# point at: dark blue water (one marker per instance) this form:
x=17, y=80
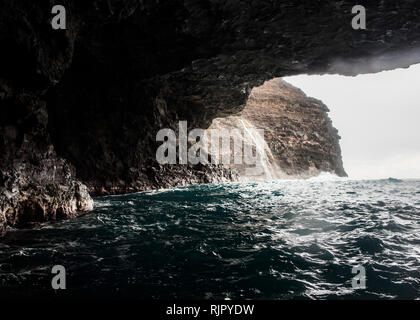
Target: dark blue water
x=273, y=240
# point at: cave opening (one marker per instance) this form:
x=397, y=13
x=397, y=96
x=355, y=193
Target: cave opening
x=296, y=134
x=374, y=114
x=377, y=118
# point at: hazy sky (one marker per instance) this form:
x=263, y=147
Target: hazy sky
x=378, y=119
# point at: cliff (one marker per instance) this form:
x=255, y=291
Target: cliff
x=80, y=107
x=300, y=140
x=297, y=129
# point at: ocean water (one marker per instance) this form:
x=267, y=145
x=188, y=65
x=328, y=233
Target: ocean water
x=271, y=240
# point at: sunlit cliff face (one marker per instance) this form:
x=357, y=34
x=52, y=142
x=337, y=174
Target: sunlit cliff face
x=377, y=117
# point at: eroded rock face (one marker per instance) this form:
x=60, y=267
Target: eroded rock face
x=297, y=129
x=299, y=138
x=35, y=184
x=122, y=70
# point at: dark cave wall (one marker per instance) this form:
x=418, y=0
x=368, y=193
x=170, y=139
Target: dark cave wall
x=124, y=69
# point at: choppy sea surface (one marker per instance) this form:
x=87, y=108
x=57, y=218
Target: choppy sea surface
x=272, y=240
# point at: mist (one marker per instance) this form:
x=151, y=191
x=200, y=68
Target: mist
x=377, y=116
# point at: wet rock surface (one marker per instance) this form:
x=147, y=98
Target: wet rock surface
x=92, y=97
x=36, y=185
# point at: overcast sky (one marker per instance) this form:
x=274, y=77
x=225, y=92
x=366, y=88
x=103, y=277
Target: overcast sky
x=378, y=119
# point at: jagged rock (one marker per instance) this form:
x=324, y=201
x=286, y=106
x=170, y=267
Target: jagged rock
x=35, y=184
x=297, y=129
x=300, y=140
x=27, y=201
x=122, y=70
